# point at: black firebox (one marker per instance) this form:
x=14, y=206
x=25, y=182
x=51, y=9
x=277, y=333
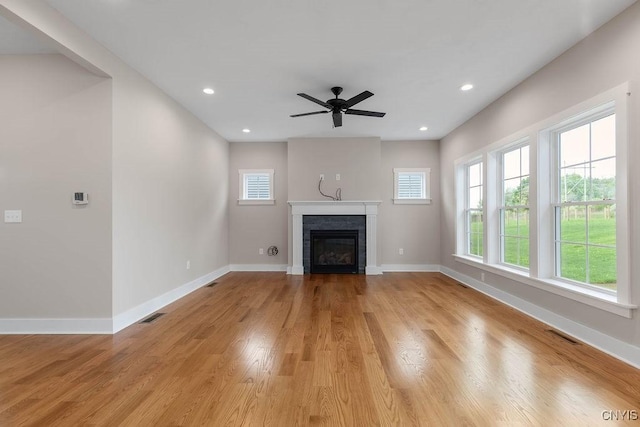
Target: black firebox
x=334, y=251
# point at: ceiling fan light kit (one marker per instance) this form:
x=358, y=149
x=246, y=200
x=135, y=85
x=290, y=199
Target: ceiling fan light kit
x=338, y=106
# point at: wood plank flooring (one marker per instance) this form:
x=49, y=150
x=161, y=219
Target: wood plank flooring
x=276, y=350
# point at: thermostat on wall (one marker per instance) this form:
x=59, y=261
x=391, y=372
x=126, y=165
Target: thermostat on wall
x=80, y=199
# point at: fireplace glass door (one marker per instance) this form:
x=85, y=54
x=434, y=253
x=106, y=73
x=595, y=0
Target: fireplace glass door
x=334, y=251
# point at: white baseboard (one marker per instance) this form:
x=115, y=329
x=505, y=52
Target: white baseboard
x=295, y=270
x=619, y=349
x=55, y=326
x=374, y=270
x=134, y=314
x=258, y=267
x=397, y=268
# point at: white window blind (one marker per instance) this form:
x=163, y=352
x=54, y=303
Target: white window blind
x=410, y=185
x=257, y=186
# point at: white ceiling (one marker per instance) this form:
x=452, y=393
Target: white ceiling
x=412, y=54
x=14, y=40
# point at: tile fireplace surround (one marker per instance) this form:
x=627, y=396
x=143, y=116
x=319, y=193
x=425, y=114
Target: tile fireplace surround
x=369, y=208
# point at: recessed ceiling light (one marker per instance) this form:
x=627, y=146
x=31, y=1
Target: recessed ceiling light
x=423, y=128
x=245, y=130
x=208, y=90
x=466, y=87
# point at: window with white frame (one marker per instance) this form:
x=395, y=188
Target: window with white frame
x=561, y=225
x=411, y=185
x=514, y=207
x=474, y=224
x=584, y=207
x=256, y=186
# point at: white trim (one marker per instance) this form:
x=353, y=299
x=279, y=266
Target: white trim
x=411, y=201
x=296, y=270
x=621, y=350
x=328, y=207
x=586, y=296
x=55, y=326
x=258, y=267
x=397, y=268
x=256, y=201
x=373, y=271
x=134, y=314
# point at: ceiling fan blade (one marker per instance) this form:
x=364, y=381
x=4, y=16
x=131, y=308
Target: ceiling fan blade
x=308, y=114
x=317, y=101
x=358, y=98
x=364, y=113
x=337, y=120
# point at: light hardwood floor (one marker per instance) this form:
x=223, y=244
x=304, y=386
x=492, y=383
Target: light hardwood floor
x=271, y=349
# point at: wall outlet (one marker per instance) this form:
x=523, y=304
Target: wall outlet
x=13, y=216
x=401, y=251
x=261, y=251
x=321, y=177
x=188, y=265
x=482, y=276
x=337, y=177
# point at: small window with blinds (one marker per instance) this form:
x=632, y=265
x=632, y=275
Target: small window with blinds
x=411, y=185
x=256, y=187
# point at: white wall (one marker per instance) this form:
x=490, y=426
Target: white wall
x=55, y=139
x=600, y=62
x=169, y=174
x=258, y=226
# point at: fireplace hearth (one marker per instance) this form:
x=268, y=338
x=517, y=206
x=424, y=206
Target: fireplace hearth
x=334, y=251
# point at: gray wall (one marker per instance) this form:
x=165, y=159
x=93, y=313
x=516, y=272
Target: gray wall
x=414, y=228
x=357, y=160
x=169, y=173
x=366, y=169
x=600, y=62
x=258, y=226
x=170, y=194
x=55, y=139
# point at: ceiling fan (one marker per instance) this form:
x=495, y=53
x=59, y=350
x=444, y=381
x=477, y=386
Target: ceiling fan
x=338, y=106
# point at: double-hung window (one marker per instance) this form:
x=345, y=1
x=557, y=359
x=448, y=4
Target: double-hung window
x=256, y=186
x=514, y=207
x=474, y=226
x=585, y=201
x=554, y=210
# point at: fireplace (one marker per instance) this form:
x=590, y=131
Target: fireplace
x=339, y=226
x=334, y=251
x=334, y=215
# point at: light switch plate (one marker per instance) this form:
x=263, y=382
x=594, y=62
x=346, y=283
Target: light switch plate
x=13, y=216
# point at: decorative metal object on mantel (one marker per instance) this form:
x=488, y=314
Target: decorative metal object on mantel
x=338, y=195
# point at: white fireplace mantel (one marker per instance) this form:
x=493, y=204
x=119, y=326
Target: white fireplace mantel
x=369, y=208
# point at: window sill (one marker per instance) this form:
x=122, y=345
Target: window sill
x=411, y=201
x=257, y=202
x=589, y=297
